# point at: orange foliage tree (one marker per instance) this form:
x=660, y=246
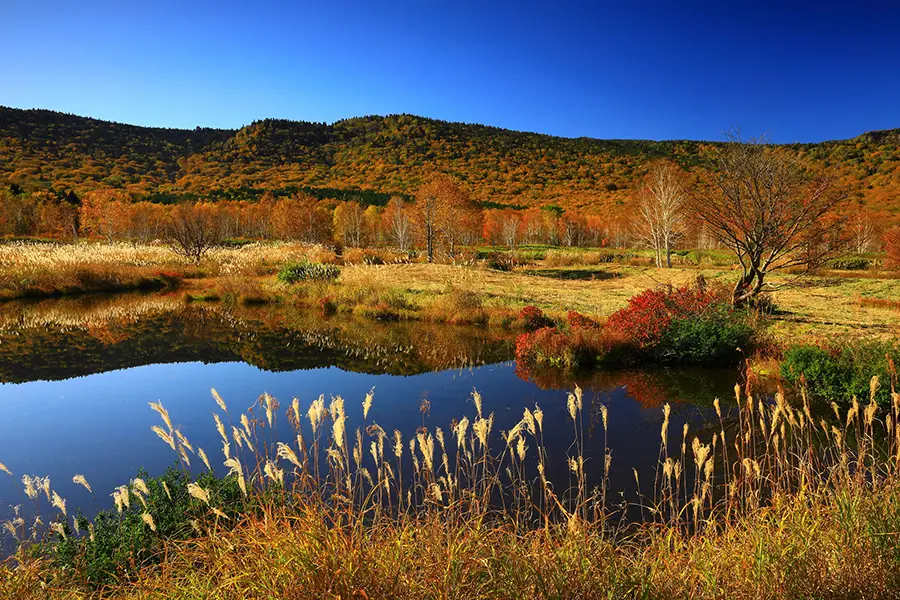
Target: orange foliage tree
x=104, y=212
x=441, y=210
x=892, y=248
x=301, y=217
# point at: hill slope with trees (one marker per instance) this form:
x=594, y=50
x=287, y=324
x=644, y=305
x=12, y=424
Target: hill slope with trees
x=45, y=150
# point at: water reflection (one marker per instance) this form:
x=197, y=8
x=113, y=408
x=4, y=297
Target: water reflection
x=60, y=339
x=78, y=374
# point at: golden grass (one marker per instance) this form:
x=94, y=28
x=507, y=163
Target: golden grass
x=28, y=269
x=769, y=501
x=85, y=312
x=812, y=306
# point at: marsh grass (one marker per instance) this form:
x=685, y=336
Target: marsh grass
x=886, y=303
x=817, y=305
x=769, y=501
x=34, y=270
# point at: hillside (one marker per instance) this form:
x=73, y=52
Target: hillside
x=42, y=149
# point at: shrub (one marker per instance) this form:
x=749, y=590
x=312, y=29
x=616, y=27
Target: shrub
x=307, y=271
x=716, y=337
x=691, y=324
x=837, y=373
x=582, y=347
x=121, y=542
x=850, y=263
x=502, y=261
x=533, y=318
x=577, y=320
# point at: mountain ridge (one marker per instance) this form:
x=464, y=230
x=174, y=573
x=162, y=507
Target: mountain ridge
x=392, y=154
x=882, y=132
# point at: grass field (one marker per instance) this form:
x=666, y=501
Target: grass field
x=813, y=305
x=554, y=280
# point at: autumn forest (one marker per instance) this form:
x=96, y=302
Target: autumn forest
x=355, y=182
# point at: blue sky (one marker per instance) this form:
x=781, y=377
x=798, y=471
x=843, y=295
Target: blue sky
x=799, y=71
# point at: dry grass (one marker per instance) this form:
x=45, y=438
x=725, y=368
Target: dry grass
x=886, y=303
x=34, y=270
x=503, y=289
x=809, y=307
x=52, y=269
x=770, y=501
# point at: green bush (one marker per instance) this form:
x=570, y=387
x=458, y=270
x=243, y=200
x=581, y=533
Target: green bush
x=122, y=543
x=713, y=338
x=851, y=263
x=307, y=271
x=838, y=373
x=695, y=325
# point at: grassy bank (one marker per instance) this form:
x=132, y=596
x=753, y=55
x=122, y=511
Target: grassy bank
x=41, y=270
x=769, y=501
x=385, y=284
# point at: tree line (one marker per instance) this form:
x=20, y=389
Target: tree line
x=765, y=204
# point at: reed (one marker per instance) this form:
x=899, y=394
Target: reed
x=773, y=501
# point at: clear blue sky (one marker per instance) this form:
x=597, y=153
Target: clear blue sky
x=801, y=71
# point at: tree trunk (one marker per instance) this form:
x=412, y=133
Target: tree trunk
x=748, y=288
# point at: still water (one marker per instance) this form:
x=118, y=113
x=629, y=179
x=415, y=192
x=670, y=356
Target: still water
x=76, y=376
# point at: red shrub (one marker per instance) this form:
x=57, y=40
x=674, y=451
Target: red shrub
x=892, y=247
x=649, y=314
x=533, y=318
x=577, y=348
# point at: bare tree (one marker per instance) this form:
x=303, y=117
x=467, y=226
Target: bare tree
x=863, y=230
x=770, y=211
x=397, y=223
x=349, y=223
x=510, y=227
x=660, y=220
x=194, y=229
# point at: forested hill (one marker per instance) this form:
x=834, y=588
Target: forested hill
x=61, y=152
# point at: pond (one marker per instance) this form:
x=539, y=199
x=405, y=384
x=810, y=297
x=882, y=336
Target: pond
x=76, y=377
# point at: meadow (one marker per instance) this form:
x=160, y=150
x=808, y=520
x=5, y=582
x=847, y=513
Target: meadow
x=384, y=283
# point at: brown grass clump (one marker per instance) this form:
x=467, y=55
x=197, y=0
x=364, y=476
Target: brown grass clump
x=461, y=307
x=878, y=302
x=373, y=256
x=569, y=258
